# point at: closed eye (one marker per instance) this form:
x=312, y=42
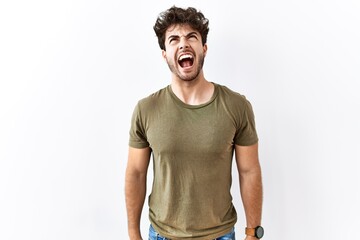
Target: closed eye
x=171, y=39
x=193, y=36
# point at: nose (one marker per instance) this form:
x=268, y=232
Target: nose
x=183, y=44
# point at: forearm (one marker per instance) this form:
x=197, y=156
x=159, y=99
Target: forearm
x=135, y=191
x=252, y=196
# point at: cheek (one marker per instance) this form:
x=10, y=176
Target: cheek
x=170, y=55
x=168, y=58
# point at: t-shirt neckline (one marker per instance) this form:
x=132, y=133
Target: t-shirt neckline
x=185, y=105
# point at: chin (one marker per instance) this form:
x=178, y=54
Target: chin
x=188, y=78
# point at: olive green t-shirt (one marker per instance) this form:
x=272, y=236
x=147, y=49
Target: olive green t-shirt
x=192, y=149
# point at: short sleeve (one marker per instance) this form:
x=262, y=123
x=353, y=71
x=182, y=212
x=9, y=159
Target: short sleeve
x=246, y=134
x=137, y=132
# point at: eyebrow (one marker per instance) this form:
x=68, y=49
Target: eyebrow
x=187, y=35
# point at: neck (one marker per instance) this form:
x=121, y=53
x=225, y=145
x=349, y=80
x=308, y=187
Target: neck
x=195, y=92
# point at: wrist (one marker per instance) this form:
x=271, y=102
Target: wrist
x=135, y=235
x=255, y=233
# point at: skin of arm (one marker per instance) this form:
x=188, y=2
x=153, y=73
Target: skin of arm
x=251, y=190
x=135, y=188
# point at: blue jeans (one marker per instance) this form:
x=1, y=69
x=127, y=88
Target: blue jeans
x=153, y=235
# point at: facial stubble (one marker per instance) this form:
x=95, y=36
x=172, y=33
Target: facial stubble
x=191, y=77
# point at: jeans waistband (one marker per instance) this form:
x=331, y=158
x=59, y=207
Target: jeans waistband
x=153, y=235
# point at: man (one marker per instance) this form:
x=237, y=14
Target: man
x=192, y=129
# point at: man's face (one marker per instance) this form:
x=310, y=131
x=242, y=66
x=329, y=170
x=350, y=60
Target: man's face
x=184, y=52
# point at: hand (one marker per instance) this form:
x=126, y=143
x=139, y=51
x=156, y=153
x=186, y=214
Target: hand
x=250, y=238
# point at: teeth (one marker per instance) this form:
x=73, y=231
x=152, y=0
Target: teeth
x=185, y=56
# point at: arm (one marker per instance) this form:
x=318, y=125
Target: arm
x=135, y=188
x=248, y=166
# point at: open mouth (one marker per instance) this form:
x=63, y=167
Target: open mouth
x=186, y=60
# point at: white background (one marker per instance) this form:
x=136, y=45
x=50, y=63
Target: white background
x=71, y=72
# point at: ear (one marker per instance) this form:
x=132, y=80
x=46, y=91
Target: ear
x=205, y=47
x=163, y=53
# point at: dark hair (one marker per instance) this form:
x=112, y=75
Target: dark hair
x=175, y=15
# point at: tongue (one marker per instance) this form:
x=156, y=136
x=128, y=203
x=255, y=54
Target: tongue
x=186, y=63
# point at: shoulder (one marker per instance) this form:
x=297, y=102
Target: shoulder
x=152, y=104
x=154, y=98
x=231, y=96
